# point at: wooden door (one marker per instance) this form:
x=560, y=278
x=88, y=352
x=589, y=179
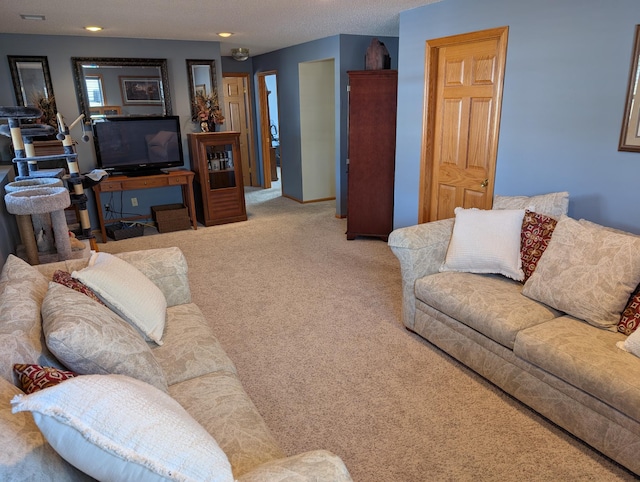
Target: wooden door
x=239, y=119
x=464, y=77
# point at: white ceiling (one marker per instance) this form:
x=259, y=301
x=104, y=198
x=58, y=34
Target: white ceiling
x=260, y=25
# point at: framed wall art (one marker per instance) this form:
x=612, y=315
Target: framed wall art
x=141, y=91
x=630, y=134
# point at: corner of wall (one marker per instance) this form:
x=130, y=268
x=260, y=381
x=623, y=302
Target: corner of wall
x=9, y=235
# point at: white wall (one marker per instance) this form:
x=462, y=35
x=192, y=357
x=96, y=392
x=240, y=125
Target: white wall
x=317, y=129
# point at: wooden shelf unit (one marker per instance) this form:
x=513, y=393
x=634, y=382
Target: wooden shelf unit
x=219, y=188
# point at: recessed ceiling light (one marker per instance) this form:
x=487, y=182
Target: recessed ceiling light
x=225, y=34
x=92, y=28
x=24, y=16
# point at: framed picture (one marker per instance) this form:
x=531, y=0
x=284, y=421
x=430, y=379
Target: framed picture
x=630, y=134
x=141, y=91
x=201, y=89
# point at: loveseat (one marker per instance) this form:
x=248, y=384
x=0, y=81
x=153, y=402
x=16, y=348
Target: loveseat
x=211, y=430
x=546, y=340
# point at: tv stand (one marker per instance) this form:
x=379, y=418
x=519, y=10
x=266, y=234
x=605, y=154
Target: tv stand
x=116, y=183
x=145, y=172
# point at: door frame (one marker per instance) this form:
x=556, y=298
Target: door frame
x=265, y=128
x=432, y=49
x=248, y=100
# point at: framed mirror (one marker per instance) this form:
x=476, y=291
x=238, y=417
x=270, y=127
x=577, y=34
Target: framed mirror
x=202, y=82
x=122, y=86
x=630, y=134
x=32, y=85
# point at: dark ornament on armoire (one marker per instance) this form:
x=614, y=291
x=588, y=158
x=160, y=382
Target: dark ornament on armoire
x=377, y=56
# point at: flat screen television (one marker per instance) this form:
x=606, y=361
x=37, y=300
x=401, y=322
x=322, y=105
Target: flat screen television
x=138, y=145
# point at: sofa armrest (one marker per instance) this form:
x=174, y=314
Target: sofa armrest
x=421, y=250
x=305, y=467
x=167, y=268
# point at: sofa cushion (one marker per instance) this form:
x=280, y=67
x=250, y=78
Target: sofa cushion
x=128, y=292
x=22, y=289
x=585, y=357
x=534, y=239
x=490, y=304
x=35, y=377
x=486, y=241
x=190, y=348
x=89, y=338
x=588, y=272
x=114, y=427
x=308, y=466
x=25, y=454
x=167, y=268
x=220, y=404
x=554, y=204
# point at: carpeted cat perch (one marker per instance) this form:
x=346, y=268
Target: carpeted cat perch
x=41, y=222
x=41, y=200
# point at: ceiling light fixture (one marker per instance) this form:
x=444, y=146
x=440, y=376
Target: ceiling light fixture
x=240, y=54
x=25, y=16
x=225, y=34
x=93, y=28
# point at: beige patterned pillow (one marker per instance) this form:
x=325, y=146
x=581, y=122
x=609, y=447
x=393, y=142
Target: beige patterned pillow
x=587, y=271
x=89, y=338
x=22, y=289
x=554, y=204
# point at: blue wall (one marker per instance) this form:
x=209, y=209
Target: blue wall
x=348, y=51
x=60, y=49
x=563, y=102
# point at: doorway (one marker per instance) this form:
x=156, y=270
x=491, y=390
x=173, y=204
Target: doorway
x=463, y=84
x=269, y=128
x=239, y=118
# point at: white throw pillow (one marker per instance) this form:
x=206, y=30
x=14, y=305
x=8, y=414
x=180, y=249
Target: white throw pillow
x=486, y=241
x=128, y=292
x=113, y=427
x=631, y=344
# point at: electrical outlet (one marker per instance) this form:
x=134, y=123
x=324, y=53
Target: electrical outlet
x=134, y=201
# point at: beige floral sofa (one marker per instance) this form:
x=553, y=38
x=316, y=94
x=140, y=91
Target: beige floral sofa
x=186, y=389
x=552, y=341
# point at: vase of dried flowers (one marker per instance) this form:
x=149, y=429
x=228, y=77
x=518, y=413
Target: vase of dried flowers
x=207, y=112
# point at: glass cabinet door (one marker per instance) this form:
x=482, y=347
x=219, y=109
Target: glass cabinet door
x=222, y=173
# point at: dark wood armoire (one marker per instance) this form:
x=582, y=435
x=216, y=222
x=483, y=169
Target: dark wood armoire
x=371, y=152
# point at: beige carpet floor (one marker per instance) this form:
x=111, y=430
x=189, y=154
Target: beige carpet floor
x=312, y=322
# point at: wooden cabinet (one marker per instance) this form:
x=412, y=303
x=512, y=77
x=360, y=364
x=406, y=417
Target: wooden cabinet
x=219, y=190
x=371, y=152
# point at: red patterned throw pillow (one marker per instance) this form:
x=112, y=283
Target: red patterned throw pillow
x=65, y=279
x=534, y=239
x=36, y=377
x=630, y=318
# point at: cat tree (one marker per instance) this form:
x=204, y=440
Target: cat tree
x=37, y=203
